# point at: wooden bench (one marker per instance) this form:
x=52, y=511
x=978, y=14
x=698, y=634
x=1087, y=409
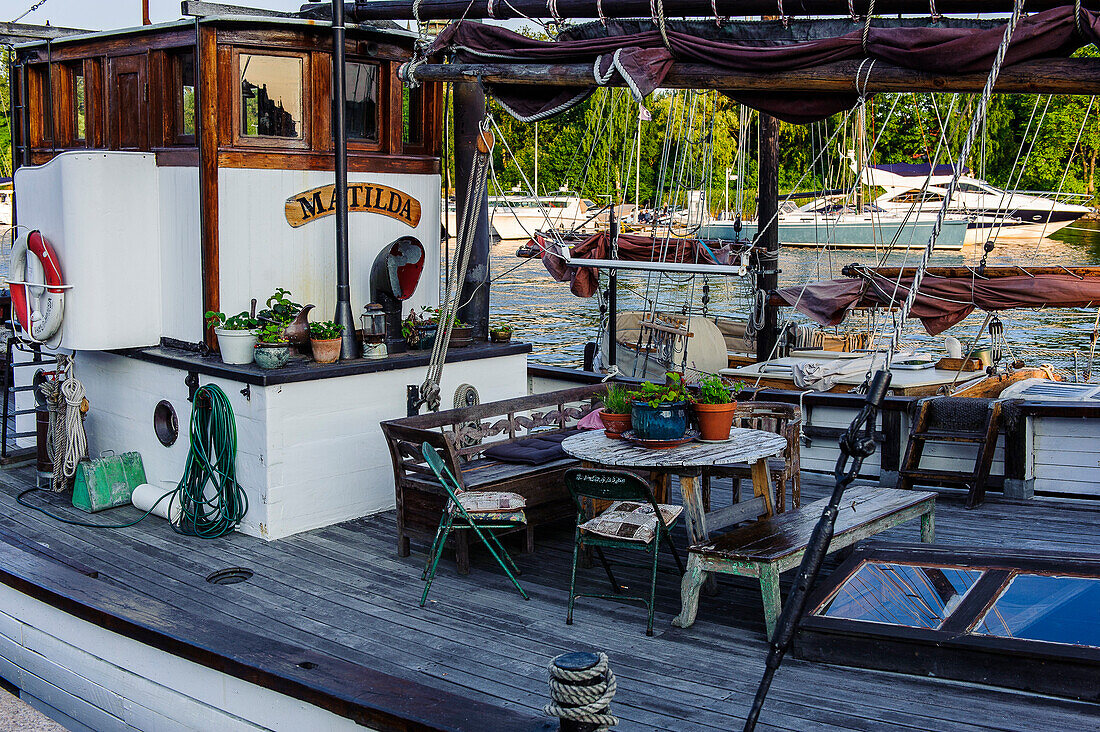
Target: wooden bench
x=770, y=546
x=461, y=436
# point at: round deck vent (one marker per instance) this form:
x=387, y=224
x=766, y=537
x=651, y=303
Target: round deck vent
x=165, y=423
x=230, y=576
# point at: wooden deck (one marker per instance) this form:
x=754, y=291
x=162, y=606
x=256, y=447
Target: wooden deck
x=342, y=591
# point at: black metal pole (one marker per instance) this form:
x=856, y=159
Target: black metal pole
x=469, y=111
x=343, y=315
x=613, y=294
x=768, y=232
x=857, y=444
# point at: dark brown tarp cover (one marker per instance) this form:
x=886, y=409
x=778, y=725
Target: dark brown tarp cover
x=941, y=302
x=641, y=60
x=584, y=281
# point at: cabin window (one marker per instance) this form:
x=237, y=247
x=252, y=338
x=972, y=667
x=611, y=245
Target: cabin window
x=41, y=104
x=271, y=96
x=184, y=68
x=79, y=102
x=361, y=100
x=412, y=111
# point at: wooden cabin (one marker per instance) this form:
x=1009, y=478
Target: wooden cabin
x=212, y=102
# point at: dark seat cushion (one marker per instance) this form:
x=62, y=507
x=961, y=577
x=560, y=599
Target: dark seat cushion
x=539, y=449
x=529, y=451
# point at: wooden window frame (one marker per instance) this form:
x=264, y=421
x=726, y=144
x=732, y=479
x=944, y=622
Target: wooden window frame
x=242, y=140
x=362, y=144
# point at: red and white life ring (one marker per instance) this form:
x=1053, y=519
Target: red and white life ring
x=44, y=320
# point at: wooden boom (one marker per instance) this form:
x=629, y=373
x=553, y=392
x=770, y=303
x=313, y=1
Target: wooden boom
x=505, y=9
x=1045, y=76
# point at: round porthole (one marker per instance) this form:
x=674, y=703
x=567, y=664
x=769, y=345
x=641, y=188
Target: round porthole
x=165, y=423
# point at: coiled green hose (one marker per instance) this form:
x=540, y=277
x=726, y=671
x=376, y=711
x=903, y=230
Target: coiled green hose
x=210, y=512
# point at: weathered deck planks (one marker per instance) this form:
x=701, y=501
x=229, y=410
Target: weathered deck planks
x=342, y=591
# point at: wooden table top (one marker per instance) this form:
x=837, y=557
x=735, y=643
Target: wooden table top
x=744, y=446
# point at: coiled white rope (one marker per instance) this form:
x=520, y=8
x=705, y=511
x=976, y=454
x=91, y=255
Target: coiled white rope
x=576, y=698
x=68, y=443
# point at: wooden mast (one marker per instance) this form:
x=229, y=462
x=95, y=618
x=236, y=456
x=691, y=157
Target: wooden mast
x=767, y=220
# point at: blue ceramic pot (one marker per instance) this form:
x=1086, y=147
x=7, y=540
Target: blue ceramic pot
x=423, y=337
x=272, y=357
x=667, y=421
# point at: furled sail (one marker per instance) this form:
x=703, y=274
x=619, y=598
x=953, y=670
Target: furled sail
x=944, y=301
x=640, y=56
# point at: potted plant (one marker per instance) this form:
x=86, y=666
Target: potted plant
x=273, y=349
x=420, y=328
x=292, y=317
x=660, y=411
x=462, y=334
x=324, y=339
x=236, y=336
x=615, y=414
x=501, y=333
x=714, y=407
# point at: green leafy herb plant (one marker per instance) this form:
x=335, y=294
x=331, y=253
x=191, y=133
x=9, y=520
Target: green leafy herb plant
x=280, y=308
x=240, y=321
x=618, y=399
x=325, y=330
x=713, y=390
x=272, y=334
x=673, y=390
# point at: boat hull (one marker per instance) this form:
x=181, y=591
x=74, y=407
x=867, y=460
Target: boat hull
x=850, y=235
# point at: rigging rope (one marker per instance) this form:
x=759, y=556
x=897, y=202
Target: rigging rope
x=467, y=230
x=964, y=153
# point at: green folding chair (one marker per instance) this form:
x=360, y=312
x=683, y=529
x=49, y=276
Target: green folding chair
x=634, y=521
x=457, y=517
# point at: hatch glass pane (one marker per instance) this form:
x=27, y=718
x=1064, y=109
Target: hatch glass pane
x=1046, y=608
x=900, y=594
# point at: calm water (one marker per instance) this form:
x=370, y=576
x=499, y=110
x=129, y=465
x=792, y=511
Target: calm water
x=558, y=324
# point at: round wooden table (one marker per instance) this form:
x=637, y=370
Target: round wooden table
x=688, y=461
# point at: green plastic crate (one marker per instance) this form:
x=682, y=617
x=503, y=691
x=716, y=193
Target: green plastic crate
x=107, y=482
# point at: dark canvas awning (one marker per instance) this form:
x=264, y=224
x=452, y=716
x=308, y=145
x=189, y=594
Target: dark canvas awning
x=941, y=301
x=584, y=281
x=641, y=58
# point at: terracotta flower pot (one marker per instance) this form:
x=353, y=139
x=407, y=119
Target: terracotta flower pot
x=462, y=336
x=614, y=424
x=326, y=351
x=715, y=420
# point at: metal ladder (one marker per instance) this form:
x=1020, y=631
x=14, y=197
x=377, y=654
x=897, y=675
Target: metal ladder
x=8, y=434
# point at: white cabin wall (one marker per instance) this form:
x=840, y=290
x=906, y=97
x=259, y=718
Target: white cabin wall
x=260, y=251
x=326, y=457
x=181, y=254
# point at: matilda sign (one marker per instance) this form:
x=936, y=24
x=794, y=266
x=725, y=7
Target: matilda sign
x=368, y=197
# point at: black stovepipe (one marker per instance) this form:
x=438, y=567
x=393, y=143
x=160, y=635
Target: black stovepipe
x=857, y=444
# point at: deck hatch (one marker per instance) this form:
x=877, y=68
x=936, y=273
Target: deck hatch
x=1022, y=620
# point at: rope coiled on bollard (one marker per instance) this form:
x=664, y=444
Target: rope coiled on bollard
x=575, y=697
